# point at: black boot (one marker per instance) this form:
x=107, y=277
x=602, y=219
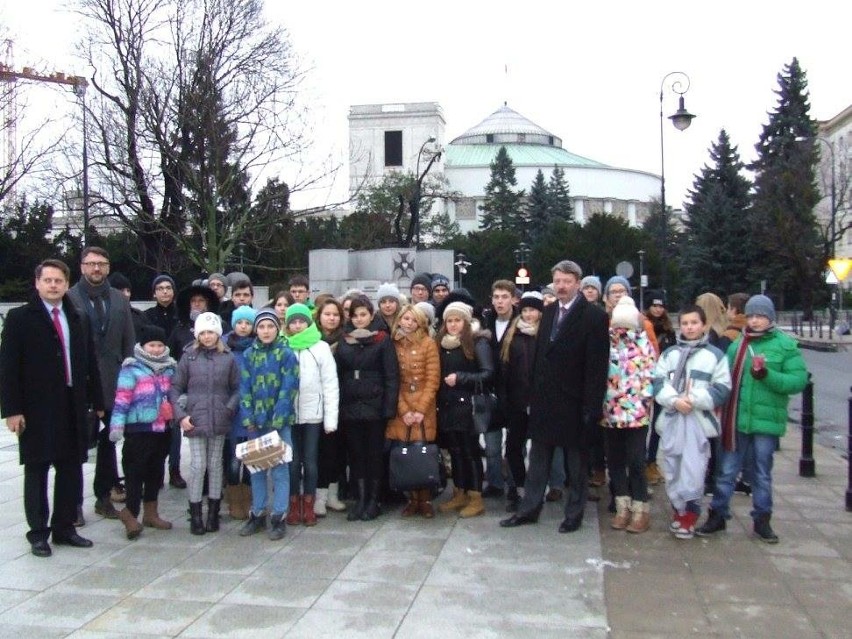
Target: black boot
x=255, y=524
x=373, y=509
x=764, y=531
x=196, y=523
x=715, y=523
x=358, y=510
x=278, y=527
x=213, y=514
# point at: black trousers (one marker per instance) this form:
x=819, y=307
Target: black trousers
x=67, y=485
x=576, y=472
x=106, y=464
x=466, y=457
x=516, y=444
x=365, y=442
x=625, y=451
x=142, y=458
x=328, y=459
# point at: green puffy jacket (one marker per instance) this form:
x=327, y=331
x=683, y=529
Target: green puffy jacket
x=763, y=403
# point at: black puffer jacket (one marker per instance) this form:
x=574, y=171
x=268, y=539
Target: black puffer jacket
x=515, y=386
x=454, y=409
x=369, y=377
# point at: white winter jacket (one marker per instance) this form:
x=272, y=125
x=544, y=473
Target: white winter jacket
x=319, y=391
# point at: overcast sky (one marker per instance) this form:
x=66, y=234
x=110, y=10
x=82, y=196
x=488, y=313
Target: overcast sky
x=590, y=75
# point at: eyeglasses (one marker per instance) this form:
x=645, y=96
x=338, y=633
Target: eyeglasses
x=216, y=285
x=617, y=291
x=96, y=264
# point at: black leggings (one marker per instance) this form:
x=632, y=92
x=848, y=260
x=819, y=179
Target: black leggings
x=330, y=445
x=516, y=446
x=467, y=459
x=365, y=442
x=142, y=458
x=625, y=450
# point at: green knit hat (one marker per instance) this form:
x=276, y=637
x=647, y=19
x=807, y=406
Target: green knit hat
x=298, y=311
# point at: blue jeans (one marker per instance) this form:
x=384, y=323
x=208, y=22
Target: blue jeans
x=494, y=458
x=757, y=451
x=305, y=451
x=174, y=446
x=280, y=490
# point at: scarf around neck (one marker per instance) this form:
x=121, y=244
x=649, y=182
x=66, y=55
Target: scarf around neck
x=729, y=412
x=527, y=328
x=450, y=342
x=687, y=348
x=361, y=335
x=305, y=338
x=157, y=364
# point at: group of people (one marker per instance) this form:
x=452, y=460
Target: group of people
x=580, y=374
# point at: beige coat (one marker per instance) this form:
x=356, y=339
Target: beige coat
x=419, y=379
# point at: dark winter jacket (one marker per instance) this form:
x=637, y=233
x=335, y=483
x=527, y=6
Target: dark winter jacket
x=369, y=376
x=515, y=381
x=163, y=316
x=32, y=376
x=570, y=375
x=211, y=382
x=454, y=408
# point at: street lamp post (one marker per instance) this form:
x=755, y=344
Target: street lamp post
x=681, y=120
x=832, y=220
x=641, y=280
x=461, y=264
x=414, y=202
x=80, y=92
x=522, y=254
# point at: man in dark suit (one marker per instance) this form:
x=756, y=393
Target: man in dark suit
x=48, y=378
x=569, y=383
x=111, y=327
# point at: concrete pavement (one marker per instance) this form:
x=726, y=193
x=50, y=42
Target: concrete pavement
x=446, y=577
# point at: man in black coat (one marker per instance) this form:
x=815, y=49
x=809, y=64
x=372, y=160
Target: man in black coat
x=569, y=383
x=48, y=378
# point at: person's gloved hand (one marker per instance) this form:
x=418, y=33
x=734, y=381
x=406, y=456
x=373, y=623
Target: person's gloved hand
x=116, y=435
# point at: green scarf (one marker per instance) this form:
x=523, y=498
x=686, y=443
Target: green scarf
x=305, y=339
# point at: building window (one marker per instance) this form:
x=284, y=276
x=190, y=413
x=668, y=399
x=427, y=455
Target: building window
x=489, y=138
x=466, y=209
x=550, y=140
x=393, y=148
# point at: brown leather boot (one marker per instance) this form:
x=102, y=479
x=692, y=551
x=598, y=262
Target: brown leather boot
x=641, y=520
x=308, y=514
x=151, y=517
x=622, y=513
x=458, y=501
x=243, y=506
x=294, y=514
x=413, y=505
x=131, y=525
x=425, y=503
x=475, y=506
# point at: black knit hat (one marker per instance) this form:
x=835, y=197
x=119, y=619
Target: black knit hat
x=150, y=333
x=531, y=299
x=423, y=278
x=119, y=281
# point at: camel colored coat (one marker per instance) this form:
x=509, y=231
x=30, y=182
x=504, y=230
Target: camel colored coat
x=419, y=379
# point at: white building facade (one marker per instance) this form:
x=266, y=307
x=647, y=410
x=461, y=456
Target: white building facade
x=384, y=138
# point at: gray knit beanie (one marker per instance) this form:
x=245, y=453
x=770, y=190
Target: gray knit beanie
x=760, y=305
x=618, y=279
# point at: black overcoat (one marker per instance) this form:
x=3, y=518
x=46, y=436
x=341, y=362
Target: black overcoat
x=570, y=374
x=32, y=375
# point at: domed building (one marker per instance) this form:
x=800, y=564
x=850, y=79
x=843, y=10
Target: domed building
x=401, y=137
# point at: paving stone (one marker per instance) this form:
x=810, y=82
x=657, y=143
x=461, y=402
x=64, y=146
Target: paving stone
x=149, y=616
x=346, y=623
x=244, y=621
x=291, y=591
x=58, y=609
x=362, y=596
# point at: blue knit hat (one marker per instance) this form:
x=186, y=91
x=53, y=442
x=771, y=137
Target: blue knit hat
x=760, y=305
x=244, y=312
x=618, y=279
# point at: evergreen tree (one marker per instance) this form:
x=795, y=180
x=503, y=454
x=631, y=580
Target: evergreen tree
x=718, y=251
x=785, y=193
x=664, y=242
x=559, y=197
x=503, y=208
x=538, y=207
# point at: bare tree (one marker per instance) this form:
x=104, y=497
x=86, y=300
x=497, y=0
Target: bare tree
x=200, y=97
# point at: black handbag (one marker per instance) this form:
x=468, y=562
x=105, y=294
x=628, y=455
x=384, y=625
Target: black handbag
x=483, y=405
x=415, y=465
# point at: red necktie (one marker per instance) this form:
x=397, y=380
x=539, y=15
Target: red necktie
x=58, y=326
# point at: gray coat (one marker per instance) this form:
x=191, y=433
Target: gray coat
x=116, y=345
x=211, y=382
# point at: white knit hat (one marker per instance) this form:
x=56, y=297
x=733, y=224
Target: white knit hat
x=388, y=289
x=459, y=308
x=625, y=314
x=208, y=322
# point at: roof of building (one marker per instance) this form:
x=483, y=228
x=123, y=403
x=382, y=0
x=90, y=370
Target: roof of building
x=479, y=155
x=527, y=143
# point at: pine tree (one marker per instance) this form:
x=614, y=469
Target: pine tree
x=503, y=208
x=538, y=207
x=560, y=206
x=785, y=193
x=718, y=253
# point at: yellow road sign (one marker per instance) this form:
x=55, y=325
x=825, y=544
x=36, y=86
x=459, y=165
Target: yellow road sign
x=840, y=267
